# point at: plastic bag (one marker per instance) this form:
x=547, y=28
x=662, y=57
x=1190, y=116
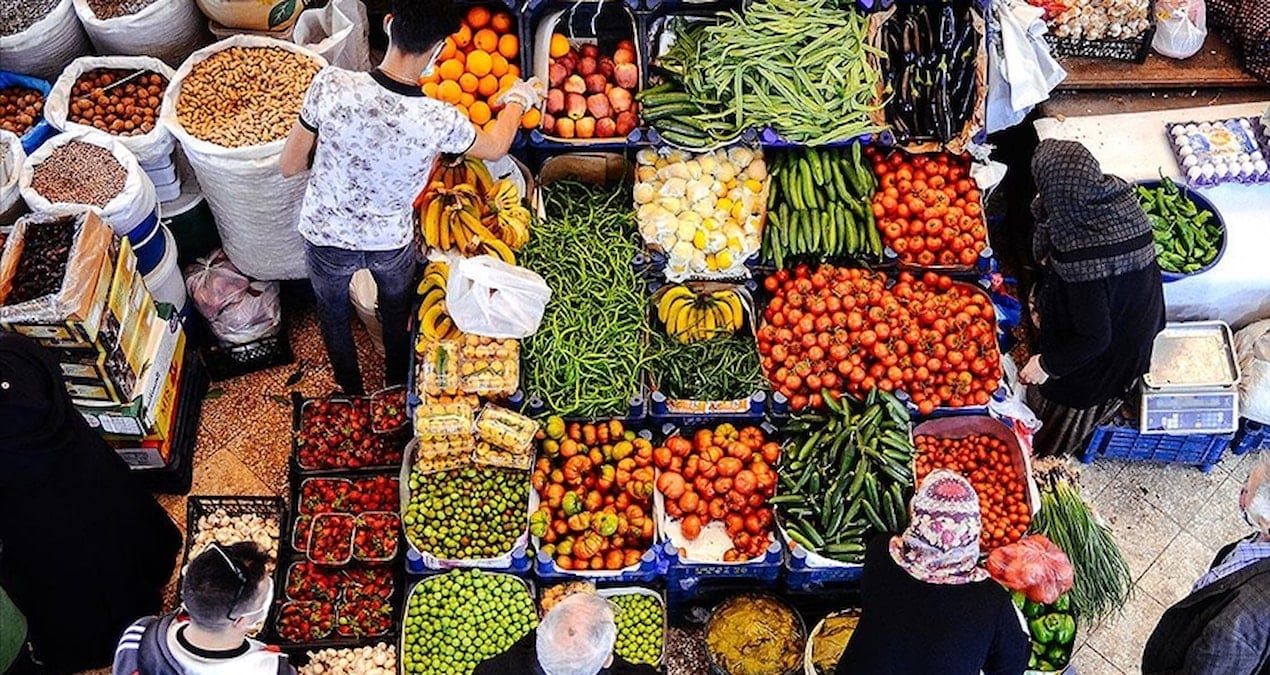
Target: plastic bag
x=1252, y=349
x=11, y=159
x=339, y=32
x=365, y=296
x=1033, y=566
x=42, y=130
x=1022, y=72
x=238, y=309
x=252, y=14
x=1180, y=27
x=486, y=296
x=45, y=48
x=165, y=29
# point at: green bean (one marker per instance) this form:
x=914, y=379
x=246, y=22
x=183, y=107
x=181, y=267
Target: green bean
x=722, y=369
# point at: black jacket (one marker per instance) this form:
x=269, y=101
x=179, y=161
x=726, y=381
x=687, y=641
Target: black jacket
x=522, y=659
x=1224, y=629
x=1096, y=336
x=910, y=627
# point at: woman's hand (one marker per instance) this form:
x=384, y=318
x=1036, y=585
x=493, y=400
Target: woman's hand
x=1032, y=372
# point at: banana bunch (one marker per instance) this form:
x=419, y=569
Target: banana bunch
x=453, y=212
x=434, y=321
x=511, y=216
x=689, y=316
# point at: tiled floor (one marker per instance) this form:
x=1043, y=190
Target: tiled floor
x=1168, y=520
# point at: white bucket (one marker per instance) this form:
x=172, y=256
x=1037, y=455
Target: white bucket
x=165, y=283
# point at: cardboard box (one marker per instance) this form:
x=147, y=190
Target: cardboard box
x=138, y=416
x=72, y=316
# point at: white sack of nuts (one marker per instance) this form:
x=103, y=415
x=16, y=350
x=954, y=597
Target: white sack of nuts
x=165, y=29
x=149, y=147
x=122, y=206
x=231, y=106
x=12, y=157
x=43, y=48
x=222, y=528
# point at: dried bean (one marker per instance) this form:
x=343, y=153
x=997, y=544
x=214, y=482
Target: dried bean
x=244, y=95
x=128, y=109
x=20, y=109
x=79, y=173
x=110, y=9
x=19, y=15
x=686, y=651
x=46, y=248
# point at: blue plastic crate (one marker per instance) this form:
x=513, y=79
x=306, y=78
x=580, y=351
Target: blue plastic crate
x=1250, y=437
x=769, y=137
x=802, y=577
x=1120, y=440
x=683, y=576
x=521, y=565
x=652, y=566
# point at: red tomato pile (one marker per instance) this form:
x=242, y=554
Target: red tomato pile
x=929, y=208
x=724, y=475
x=989, y=466
x=844, y=330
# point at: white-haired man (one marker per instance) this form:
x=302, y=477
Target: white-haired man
x=575, y=638
x=1223, y=626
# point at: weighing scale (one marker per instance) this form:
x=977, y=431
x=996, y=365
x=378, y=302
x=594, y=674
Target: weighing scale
x=1193, y=384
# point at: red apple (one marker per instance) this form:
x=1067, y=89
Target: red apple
x=626, y=44
x=564, y=127
x=595, y=83
x=606, y=128
x=598, y=106
x=606, y=67
x=574, y=84
x=626, y=122
x=585, y=127
x=590, y=50
x=555, y=101
x=570, y=63
x=587, y=65
x=620, y=99
x=548, y=122
x=624, y=56
x=556, y=73
x=575, y=106
x=626, y=75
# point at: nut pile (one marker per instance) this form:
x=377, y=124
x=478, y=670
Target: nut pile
x=79, y=173
x=46, y=249
x=112, y=9
x=20, y=108
x=19, y=15
x=244, y=95
x=127, y=109
x=380, y=659
x=222, y=528
x=686, y=651
x=1103, y=19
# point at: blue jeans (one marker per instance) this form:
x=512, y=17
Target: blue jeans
x=330, y=271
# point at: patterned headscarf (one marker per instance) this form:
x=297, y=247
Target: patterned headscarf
x=1089, y=224
x=941, y=544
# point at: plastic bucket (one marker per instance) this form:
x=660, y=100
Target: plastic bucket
x=190, y=221
x=164, y=282
x=151, y=250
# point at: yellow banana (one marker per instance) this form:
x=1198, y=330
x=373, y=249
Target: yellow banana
x=428, y=323
x=479, y=173
x=668, y=298
x=499, y=250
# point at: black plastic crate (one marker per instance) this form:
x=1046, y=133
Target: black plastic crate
x=199, y=506
x=1134, y=50
x=298, y=651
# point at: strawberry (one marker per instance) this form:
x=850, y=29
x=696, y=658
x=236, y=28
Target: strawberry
x=389, y=410
x=306, y=581
x=364, y=618
x=331, y=541
x=376, y=536
x=324, y=495
x=338, y=435
x=305, y=621
x=367, y=583
x=300, y=537
x=377, y=493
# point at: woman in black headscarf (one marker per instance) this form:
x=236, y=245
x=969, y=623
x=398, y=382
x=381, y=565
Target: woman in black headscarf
x=1101, y=301
x=83, y=551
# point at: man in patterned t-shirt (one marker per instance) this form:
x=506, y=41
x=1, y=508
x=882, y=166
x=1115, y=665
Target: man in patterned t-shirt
x=371, y=140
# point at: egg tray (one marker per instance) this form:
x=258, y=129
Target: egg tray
x=1197, y=158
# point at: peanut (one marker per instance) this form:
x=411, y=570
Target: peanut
x=244, y=95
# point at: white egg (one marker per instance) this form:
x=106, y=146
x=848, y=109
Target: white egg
x=1261, y=166
x=1208, y=171
x=1186, y=151
x=1246, y=169
x=1205, y=126
x=1192, y=128
x=1177, y=130
x=1190, y=160
x=1194, y=173
x=1221, y=169
x=1256, y=156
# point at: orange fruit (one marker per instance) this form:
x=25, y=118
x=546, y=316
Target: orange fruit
x=434, y=78
x=479, y=112
x=498, y=65
x=463, y=109
x=531, y=119
x=501, y=22
x=508, y=46
x=488, y=86
x=450, y=69
x=559, y=46
x=486, y=40
x=479, y=63
x=463, y=37
x=477, y=17
x=449, y=91
x=505, y=82
x=513, y=70
x=430, y=88
x=447, y=51
x=466, y=100
x=468, y=82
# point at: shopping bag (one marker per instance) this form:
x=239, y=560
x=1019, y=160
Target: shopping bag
x=1022, y=72
x=489, y=297
x=1180, y=27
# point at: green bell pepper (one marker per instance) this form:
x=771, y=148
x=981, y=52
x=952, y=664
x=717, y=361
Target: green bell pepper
x=1046, y=666
x=1042, y=633
x=1063, y=603
x=1033, y=609
x=1065, y=634
x=1056, y=655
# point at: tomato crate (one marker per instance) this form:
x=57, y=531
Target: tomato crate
x=684, y=580
x=1251, y=436
x=387, y=589
x=1122, y=440
x=651, y=567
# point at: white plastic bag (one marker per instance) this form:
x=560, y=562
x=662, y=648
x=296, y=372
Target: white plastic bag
x=166, y=29
x=148, y=148
x=132, y=206
x=339, y=32
x=238, y=309
x=1021, y=72
x=1252, y=349
x=486, y=296
x=45, y=48
x=257, y=211
x=365, y=296
x=11, y=159
x=1180, y=27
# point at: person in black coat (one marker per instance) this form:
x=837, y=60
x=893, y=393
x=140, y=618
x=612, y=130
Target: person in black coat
x=1100, y=303
x=83, y=551
x=1223, y=626
x=575, y=638
x=926, y=606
